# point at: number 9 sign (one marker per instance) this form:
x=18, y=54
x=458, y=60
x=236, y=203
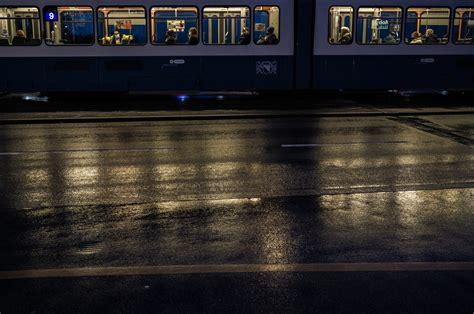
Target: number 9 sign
x=51, y=16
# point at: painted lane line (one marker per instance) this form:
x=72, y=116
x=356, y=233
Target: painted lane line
x=85, y=151
x=10, y=154
x=338, y=144
x=236, y=268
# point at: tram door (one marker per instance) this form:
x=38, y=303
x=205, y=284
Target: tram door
x=333, y=66
x=224, y=27
x=24, y=21
x=175, y=26
x=230, y=68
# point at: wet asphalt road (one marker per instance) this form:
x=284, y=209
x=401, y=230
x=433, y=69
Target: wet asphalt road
x=276, y=191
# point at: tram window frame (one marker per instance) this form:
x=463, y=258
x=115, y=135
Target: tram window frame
x=145, y=18
x=401, y=24
x=252, y=33
x=330, y=25
x=250, y=17
x=15, y=18
x=454, y=39
x=152, y=24
x=70, y=6
x=441, y=43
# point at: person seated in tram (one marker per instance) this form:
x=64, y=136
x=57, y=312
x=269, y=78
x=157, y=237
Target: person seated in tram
x=416, y=38
x=244, y=37
x=4, y=38
x=270, y=38
x=430, y=37
x=391, y=38
x=169, y=37
x=193, y=37
x=19, y=39
x=116, y=38
x=346, y=36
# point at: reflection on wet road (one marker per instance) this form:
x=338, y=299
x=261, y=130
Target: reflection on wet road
x=368, y=227
x=334, y=190
x=147, y=162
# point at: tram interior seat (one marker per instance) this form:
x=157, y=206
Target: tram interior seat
x=33, y=42
x=4, y=42
x=126, y=40
x=18, y=42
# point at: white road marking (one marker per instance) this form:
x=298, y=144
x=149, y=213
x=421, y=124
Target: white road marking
x=85, y=151
x=337, y=144
x=236, y=268
x=10, y=153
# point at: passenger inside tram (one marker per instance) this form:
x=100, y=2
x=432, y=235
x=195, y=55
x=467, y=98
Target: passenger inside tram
x=181, y=22
x=391, y=38
x=340, y=21
x=267, y=25
x=4, y=38
x=416, y=38
x=193, y=36
x=19, y=39
x=430, y=37
x=270, y=38
x=170, y=38
x=346, y=36
x=434, y=23
x=122, y=26
x=245, y=37
x=379, y=25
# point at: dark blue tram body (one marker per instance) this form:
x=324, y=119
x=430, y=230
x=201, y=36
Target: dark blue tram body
x=306, y=56
x=366, y=64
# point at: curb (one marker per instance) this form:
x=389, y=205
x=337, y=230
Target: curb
x=224, y=117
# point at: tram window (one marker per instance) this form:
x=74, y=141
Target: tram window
x=428, y=26
x=379, y=26
x=226, y=25
x=267, y=25
x=20, y=26
x=463, y=30
x=121, y=26
x=174, y=25
x=340, y=25
x=68, y=25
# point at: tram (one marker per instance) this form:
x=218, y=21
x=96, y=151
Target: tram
x=235, y=45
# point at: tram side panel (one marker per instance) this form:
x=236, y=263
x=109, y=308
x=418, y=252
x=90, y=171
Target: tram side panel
x=262, y=62
x=74, y=49
x=374, y=59
x=21, y=75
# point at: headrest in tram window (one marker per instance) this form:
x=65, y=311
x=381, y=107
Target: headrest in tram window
x=4, y=42
x=106, y=40
x=127, y=39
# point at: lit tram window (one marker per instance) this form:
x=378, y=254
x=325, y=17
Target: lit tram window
x=340, y=25
x=175, y=25
x=122, y=26
x=226, y=25
x=379, y=26
x=463, y=30
x=428, y=26
x=68, y=25
x=267, y=25
x=20, y=26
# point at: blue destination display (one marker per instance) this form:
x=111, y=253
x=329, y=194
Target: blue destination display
x=51, y=15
